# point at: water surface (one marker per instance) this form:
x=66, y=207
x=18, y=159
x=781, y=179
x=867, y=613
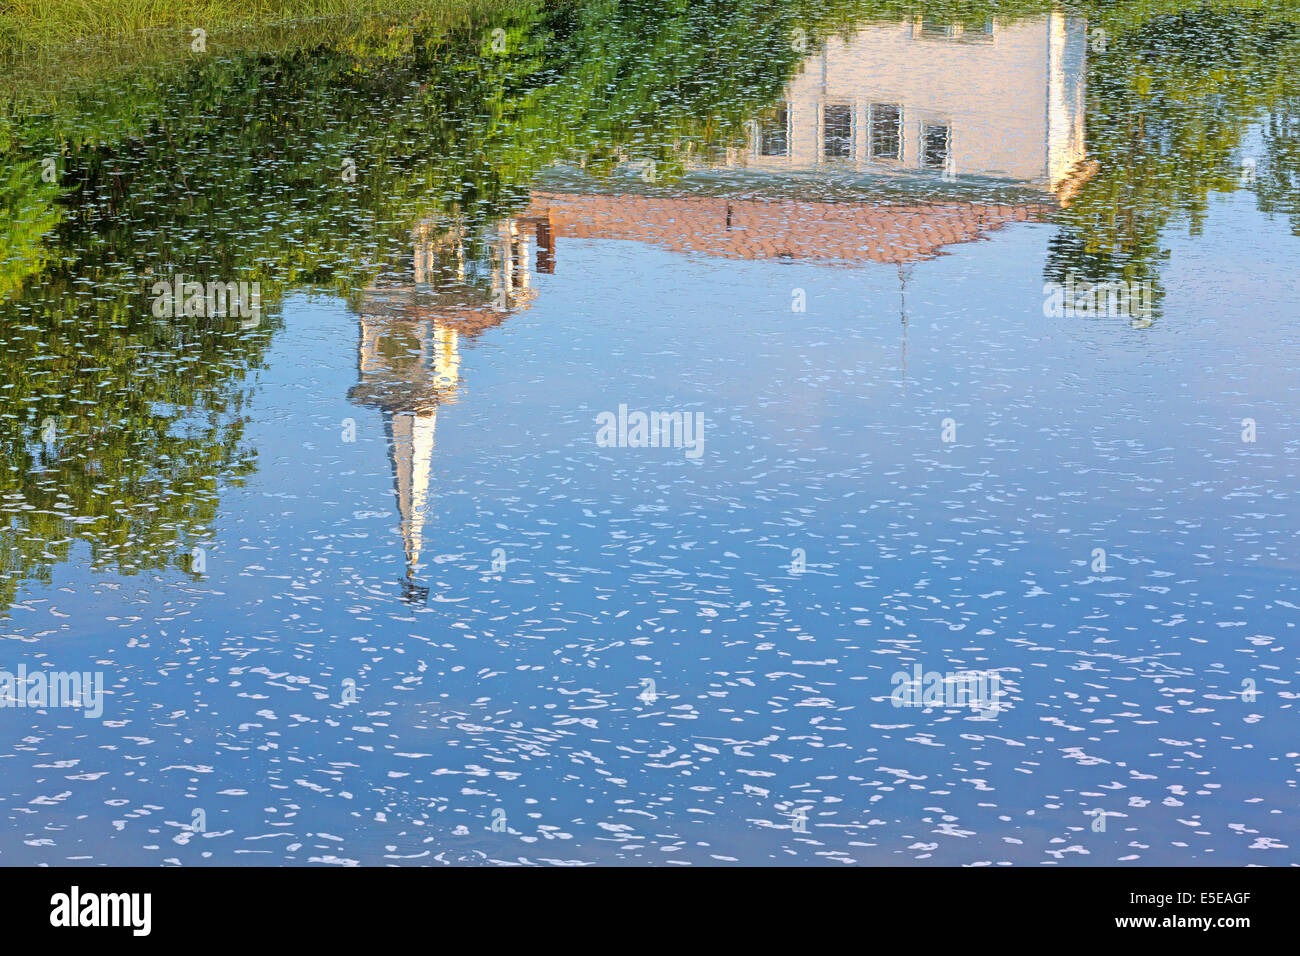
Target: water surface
x=365, y=588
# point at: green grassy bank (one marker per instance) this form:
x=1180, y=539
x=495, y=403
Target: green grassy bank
x=37, y=24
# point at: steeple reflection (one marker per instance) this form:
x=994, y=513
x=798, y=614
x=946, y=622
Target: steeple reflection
x=460, y=283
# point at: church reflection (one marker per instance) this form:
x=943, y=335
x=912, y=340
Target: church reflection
x=890, y=143
x=991, y=97
x=412, y=329
x=954, y=106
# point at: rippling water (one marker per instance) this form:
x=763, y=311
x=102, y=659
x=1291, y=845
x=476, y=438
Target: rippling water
x=366, y=584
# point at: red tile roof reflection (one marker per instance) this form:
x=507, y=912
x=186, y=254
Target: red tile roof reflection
x=768, y=229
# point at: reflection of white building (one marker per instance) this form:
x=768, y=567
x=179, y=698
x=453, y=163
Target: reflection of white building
x=884, y=112
x=408, y=359
x=988, y=98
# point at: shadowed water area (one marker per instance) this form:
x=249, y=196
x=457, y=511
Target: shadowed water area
x=973, y=327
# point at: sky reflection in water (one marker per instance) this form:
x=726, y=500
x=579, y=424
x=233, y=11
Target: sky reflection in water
x=394, y=487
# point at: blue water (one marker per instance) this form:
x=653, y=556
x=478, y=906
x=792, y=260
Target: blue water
x=300, y=702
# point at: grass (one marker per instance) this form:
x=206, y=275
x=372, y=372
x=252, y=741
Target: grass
x=71, y=45
x=27, y=25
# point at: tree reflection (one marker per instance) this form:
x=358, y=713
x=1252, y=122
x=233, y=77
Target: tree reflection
x=119, y=430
